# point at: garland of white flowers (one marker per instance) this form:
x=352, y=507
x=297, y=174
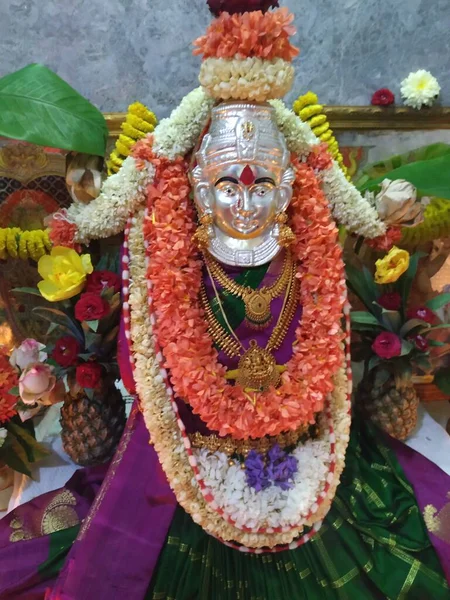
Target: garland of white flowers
x=167, y=431
x=250, y=79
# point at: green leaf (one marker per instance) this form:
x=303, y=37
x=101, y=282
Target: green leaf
x=51, y=328
x=14, y=391
x=430, y=177
x=436, y=343
x=39, y=107
x=357, y=283
x=86, y=355
x=407, y=347
x=391, y=319
x=27, y=290
x=89, y=393
x=405, y=282
x=60, y=319
x=34, y=450
x=374, y=362
x=440, y=326
x=438, y=301
x=92, y=340
x=93, y=325
x=412, y=324
x=365, y=318
x=13, y=454
x=442, y=380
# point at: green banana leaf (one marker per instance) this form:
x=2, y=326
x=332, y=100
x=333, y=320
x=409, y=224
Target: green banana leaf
x=39, y=107
x=430, y=177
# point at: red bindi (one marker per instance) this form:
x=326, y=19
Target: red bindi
x=247, y=176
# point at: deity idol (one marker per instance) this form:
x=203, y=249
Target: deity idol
x=235, y=324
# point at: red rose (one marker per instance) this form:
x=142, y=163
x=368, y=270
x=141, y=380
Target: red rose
x=390, y=301
x=383, y=97
x=240, y=6
x=387, y=345
x=88, y=375
x=423, y=313
x=91, y=307
x=102, y=280
x=420, y=342
x=66, y=351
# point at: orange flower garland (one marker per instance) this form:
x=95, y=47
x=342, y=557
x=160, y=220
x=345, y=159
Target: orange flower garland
x=174, y=277
x=251, y=34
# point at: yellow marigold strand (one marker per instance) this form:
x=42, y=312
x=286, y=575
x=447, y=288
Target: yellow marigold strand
x=309, y=111
x=436, y=224
x=16, y=243
x=139, y=122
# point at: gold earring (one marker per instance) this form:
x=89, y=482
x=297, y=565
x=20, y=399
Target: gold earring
x=201, y=236
x=286, y=236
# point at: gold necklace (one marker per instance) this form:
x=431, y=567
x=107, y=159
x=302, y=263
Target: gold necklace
x=257, y=368
x=257, y=302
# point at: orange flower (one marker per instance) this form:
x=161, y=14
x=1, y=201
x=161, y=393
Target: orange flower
x=8, y=380
x=175, y=272
x=251, y=34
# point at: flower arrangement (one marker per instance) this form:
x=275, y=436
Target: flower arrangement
x=18, y=446
x=247, y=56
x=394, y=337
x=87, y=319
x=383, y=97
x=16, y=243
x=420, y=89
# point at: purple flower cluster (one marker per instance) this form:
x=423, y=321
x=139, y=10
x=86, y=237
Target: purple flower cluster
x=278, y=469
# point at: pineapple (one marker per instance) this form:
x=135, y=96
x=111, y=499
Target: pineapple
x=390, y=404
x=91, y=429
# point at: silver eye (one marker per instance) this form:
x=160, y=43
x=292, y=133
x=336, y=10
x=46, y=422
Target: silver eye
x=261, y=191
x=229, y=191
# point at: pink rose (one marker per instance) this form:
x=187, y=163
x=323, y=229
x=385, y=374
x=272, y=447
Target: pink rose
x=38, y=384
x=29, y=351
x=387, y=345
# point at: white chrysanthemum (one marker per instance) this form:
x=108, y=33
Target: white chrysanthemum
x=420, y=89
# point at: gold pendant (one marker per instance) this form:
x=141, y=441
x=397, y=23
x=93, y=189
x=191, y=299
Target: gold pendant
x=257, y=369
x=257, y=309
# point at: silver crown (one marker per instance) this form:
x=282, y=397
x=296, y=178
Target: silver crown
x=243, y=133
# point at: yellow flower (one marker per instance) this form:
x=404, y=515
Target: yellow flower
x=394, y=264
x=63, y=273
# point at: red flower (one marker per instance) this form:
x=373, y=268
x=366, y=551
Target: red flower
x=8, y=380
x=240, y=6
x=102, y=280
x=383, y=97
x=420, y=342
x=91, y=307
x=386, y=241
x=390, y=301
x=88, y=375
x=387, y=345
x=66, y=351
x=423, y=313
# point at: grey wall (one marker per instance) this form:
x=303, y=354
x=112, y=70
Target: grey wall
x=117, y=51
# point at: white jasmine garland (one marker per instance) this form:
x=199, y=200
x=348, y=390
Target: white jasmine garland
x=348, y=206
x=419, y=89
x=178, y=134
x=121, y=194
x=249, y=79
x=299, y=136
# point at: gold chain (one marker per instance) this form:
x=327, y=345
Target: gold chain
x=229, y=446
x=257, y=302
x=257, y=369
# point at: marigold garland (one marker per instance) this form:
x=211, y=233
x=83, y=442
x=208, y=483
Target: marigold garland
x=309, y=110
x=138, y=123
x=16, y=243
x=182, y=330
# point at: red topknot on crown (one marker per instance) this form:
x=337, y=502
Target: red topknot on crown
x=240, y=6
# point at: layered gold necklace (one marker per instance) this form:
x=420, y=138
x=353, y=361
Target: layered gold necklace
x=257, y=368
x=257, y=302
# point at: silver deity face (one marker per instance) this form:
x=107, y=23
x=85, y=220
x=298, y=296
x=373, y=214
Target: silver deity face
x=245, y=201
x=243, y=180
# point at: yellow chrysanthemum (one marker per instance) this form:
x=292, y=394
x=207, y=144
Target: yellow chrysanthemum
x=435, y=225
x=392, y=266
x=63, y=273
